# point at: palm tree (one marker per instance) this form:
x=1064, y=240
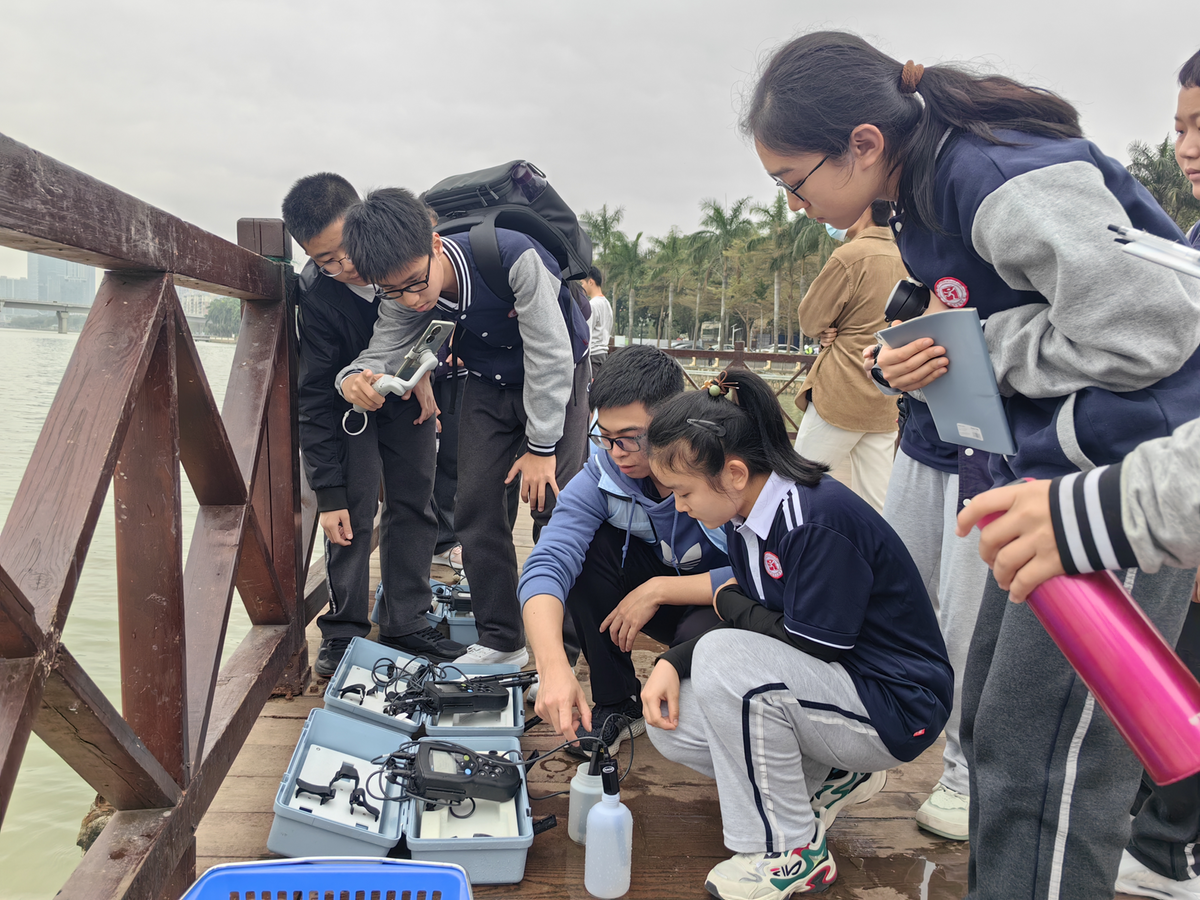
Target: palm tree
x=628, y=263
x=702, y=261
x=721, y=227
x=671, y=262
x=1156, y=169
x=601, y=226
x=778, y=240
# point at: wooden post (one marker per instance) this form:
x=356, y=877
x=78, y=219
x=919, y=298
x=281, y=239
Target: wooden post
x=277, y=502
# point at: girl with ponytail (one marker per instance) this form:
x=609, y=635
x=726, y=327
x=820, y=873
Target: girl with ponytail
x=829, y=667
x=1001, y=205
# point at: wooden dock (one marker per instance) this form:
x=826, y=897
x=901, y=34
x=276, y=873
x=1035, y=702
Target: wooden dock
x=880, y=852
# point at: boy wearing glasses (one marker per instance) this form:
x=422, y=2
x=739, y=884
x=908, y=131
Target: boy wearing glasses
x=620, y=558
x=337, y=310
x=527, y=382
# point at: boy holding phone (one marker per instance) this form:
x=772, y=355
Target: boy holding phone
x=337, y=310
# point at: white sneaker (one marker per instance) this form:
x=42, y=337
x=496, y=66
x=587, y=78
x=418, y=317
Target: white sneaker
x=774, y=876
x=451, y=558
x=479, y=655
x=1134, y=878
x=945, y=813
x=531, y=693
x=845, y=790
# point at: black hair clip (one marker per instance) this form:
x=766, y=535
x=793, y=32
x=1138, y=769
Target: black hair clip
x=718, y=430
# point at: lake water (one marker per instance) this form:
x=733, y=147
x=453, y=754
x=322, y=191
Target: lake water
x=37, y=841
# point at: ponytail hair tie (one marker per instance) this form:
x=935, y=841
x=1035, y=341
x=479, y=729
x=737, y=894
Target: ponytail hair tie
x=719, y=386
x=910, y=77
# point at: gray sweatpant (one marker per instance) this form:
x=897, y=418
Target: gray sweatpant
x=1051, y=779
x=768, y=722
x=921, y=506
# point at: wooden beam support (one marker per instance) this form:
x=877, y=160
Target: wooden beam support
x=135, y=855
x=250, y=381
x=208, y=587
x=257, y=581
x=149, y=544
x=80, y=724
x=64, y=484
x=21, y=682
x=204, y=448
x=19, y=633
x=52, y=209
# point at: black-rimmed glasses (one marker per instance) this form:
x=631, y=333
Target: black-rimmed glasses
x=413, y=288
x=794, y=189
x=333, y=268
x=631, y=444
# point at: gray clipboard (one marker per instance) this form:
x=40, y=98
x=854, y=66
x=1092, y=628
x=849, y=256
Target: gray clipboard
x=965, y=402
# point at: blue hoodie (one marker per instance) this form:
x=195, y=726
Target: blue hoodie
x=602, y=493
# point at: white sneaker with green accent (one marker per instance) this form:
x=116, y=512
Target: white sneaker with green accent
x=1135, y=878
x=945, y=813
x=843, y=789
x=774, y=876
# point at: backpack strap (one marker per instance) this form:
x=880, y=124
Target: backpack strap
x=485, y=247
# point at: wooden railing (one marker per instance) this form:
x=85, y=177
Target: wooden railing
x=133, y=406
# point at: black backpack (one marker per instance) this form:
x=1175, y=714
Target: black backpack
x=516, y=196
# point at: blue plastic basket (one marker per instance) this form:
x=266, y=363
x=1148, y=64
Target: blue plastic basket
x=394, y=879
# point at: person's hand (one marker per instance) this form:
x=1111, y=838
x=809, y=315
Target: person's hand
x=632, y=613
x=561, y=701
x=914, y=365
x=1019, y=545
x=662, y=688
x=336, y=525
x=423, y=390
x=1196, y=589
x=537, y=479
x=358, y=389
x=828, y=336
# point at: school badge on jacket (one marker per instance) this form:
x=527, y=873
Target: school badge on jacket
x=772, y=565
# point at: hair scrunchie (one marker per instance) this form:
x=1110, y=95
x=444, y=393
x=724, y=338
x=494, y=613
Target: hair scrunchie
x=719, y=386
x=910, y=77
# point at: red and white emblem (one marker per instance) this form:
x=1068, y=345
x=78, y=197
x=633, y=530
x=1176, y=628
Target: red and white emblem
x=772, y=565
x=952, y=292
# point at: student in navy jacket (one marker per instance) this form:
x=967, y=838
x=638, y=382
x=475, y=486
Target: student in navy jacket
x=526, y=388
x=337, y=310
x=1001, y=205
x=830, y=668
x=621, y=559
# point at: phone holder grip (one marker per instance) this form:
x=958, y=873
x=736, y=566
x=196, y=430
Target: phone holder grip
x=390, y=384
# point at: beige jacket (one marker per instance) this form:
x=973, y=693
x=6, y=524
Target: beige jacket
x=849, y=295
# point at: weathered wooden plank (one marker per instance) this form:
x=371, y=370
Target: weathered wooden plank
x=204, y=447
x=21, y=682
x=52, y=209
x=61, y=493
x=267, y=237
x=19, y=633
x=250, y=381
x=149, y=545
x=80, y=724
x=257, y=579
x=283, y=447
x=208, y=587
x=136, y=853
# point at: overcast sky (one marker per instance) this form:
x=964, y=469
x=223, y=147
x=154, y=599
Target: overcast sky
x=211, y=109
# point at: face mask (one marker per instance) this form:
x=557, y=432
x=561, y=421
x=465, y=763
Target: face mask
x=838, y=234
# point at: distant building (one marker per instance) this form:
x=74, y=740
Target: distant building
x=195, y=303
x=17, y=289
x=60, y=281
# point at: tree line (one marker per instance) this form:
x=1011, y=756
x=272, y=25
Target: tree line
x=748, y=265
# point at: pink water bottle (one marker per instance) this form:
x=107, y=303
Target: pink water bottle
x=1128, y=666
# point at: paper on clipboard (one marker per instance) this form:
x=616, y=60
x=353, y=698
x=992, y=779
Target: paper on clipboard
x=965, y=402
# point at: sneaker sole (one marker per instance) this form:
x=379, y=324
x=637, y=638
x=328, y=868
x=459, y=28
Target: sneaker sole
x=941, y=829
x=800, y=887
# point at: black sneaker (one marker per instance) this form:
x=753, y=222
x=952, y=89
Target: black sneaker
x=428, y=643
x=331, y=653
x=612, y=724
